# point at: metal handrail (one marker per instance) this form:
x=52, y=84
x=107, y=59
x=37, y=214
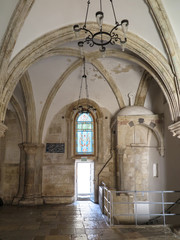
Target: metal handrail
x=109, y=205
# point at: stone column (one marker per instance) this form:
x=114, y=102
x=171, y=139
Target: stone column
x=30, y=150
x=21, y=175
x=30, y=192
x=3, y=128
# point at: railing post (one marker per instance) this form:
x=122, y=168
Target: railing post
x=104, y=202
x=110, y=208
x=164, y=217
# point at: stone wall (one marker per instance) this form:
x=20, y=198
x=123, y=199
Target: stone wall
x=58, y=178
x=10, y=159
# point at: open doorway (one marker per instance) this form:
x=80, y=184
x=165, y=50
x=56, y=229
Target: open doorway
x=84, y=180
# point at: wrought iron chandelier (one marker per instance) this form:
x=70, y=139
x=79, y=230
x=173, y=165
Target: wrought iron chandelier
x=86, y=108
x=102, y=38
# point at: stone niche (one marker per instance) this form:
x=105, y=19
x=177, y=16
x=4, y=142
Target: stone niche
x=138, y=131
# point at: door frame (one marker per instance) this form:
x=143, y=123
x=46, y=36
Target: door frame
x=82, y=160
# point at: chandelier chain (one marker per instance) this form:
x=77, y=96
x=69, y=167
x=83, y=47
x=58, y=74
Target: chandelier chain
x=88, y=3
x=116, y=22
x=87, y=94
x=80, y=88
x=101, y=5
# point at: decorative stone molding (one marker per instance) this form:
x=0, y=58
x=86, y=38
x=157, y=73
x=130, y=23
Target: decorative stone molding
x=17, y=20
x=21, y=116
x=30, y=148
x=70, y=116
x=3, y=128
x=166, y=32
x=45, y=45
x=142, y=89
x=175, y=129
x=30, y=103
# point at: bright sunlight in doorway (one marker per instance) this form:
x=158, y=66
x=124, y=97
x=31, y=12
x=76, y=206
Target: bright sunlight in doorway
x=85, y=180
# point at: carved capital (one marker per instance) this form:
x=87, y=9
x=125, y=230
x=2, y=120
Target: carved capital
x=31, y=148
x=3, y=128
x=175, y=129
x=120, y=150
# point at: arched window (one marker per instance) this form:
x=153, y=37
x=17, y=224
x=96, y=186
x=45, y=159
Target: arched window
x=84, y=134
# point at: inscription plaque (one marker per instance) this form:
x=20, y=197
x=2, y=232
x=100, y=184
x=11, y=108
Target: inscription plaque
x=55, y=147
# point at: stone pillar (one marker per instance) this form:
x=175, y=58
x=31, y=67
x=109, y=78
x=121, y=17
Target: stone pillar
x=31, y=194
x=175, y=129
x=21, y=175
x=3, y=128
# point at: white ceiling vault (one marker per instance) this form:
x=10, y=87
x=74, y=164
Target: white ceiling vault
x=39, y=48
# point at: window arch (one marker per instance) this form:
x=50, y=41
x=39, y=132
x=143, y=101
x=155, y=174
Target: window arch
x=84, y=134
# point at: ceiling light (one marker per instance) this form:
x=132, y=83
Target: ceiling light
x=102, y=38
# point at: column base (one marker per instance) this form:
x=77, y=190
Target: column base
x=31, y=201
x=16, y=201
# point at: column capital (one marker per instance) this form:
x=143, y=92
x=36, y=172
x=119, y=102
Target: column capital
x=175, y=129
x=3, y=128
x=31, y=148
x=120, y=150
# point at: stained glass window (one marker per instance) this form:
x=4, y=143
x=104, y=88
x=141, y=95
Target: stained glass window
x=84, y=134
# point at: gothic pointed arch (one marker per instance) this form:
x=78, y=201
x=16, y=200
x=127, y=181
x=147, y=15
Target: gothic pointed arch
x=154, y=62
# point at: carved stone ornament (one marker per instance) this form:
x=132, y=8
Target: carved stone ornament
x=175, y=129
x=3, y=128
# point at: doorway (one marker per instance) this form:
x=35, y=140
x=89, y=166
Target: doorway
x=84, y=180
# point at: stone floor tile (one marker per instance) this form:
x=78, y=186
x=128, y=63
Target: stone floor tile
x=39, y=238
x=77, y=221
x=80, y=230
x=67, y=231
x=93, y=237
x=29, y=227
x=58, y=237
x=79, y=237
x=43, y=232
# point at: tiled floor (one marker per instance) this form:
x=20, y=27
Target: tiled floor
x=78, y=221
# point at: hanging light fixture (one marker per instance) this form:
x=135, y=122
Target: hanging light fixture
x=102, y=38
x=86, y=108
